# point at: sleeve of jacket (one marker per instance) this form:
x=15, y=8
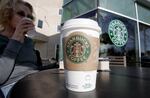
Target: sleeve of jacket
x=7, y=59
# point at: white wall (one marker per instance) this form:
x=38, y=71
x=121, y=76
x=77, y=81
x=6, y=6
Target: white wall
x=48, y=12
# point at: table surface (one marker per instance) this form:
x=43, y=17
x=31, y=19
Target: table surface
x=130, y=82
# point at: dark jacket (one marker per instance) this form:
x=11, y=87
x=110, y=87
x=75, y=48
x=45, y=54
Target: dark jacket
x=16, y=57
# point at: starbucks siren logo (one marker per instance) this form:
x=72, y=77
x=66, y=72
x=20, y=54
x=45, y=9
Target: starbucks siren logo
x=78, y=48
x=118, y=32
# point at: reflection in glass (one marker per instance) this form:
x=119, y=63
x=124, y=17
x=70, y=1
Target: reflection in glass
x=77, y=7
x=144, y=14
x=125, y=7
x=107, y=48
x=145, y=44
x=66, y=1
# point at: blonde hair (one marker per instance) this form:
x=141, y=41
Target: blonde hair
x=7, y=8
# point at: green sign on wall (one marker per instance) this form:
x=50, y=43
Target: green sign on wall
x=118, y=33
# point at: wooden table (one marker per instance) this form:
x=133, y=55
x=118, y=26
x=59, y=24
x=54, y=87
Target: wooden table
x=129, y=82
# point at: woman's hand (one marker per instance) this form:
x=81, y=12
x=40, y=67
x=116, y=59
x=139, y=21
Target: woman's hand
x=22, y=28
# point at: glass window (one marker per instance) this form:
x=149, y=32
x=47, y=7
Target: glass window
x=107, y=48
x=66, y=1
x=82, y=6
x=40, y=23
x=77, y=7
x=125, y=7
x=144, y=14
x=145, y=43
x=67, y=12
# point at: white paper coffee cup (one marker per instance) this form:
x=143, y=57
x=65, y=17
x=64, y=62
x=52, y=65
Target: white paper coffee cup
x=31, y=33
x=81, y=52
x=80, y=81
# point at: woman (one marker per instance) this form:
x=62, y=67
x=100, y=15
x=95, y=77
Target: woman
x=17, y=55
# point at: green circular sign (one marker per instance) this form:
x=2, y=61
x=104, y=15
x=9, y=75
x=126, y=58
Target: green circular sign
x=78, y=48
x=118, y=32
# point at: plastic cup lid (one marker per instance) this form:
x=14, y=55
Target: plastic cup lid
x=81, y=23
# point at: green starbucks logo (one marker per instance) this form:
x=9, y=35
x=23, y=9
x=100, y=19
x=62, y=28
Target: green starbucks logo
x=78, y=48
x=118, y=33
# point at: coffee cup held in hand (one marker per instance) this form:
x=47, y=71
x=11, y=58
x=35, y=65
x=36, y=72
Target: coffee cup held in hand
x=81, y=51
x=31, y=33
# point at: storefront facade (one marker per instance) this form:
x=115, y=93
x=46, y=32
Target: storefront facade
x=125, y=26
